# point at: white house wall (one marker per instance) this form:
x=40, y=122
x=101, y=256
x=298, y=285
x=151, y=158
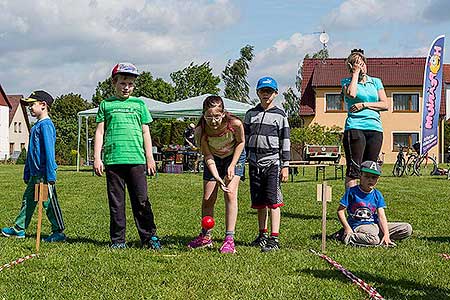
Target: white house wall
x=4, y=132
x=18, y=130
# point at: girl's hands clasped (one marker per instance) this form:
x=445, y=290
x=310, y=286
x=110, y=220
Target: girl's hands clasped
x=222, y=184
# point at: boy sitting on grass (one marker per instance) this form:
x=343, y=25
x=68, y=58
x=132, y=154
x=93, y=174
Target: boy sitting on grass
x=367, y=224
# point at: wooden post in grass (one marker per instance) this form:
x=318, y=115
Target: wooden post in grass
x=324, y=196
x=40, y=194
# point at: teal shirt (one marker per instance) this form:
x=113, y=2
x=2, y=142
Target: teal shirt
x=123, y=139
x=366, y=119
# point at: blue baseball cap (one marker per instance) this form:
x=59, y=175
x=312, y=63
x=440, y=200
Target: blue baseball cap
x=267, y=82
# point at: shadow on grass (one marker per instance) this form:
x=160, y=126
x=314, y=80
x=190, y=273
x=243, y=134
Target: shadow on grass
x=388, y=288
x=86, y=240
x=296, y=216
x=436, y=239
x=180, y=242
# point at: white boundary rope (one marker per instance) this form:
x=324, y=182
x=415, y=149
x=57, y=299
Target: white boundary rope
x=17, y=261
x=373, y=294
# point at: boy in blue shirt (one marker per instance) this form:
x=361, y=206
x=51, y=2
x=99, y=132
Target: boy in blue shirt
x=367, y=224
x=39, y=166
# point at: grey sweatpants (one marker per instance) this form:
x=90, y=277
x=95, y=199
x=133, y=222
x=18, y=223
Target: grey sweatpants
x=371, y=235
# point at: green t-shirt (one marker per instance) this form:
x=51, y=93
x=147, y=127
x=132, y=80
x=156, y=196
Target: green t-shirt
x=123, y=140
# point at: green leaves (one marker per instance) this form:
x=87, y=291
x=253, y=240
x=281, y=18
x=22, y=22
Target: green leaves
x=195, y=80
x=235, y=76
x=64, y=116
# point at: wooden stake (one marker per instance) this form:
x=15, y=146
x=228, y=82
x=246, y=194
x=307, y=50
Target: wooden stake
x=324, y=196
x=40, y=193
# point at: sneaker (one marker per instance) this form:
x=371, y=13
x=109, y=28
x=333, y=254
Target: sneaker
x=201, y=241
x=154, y=243
x=13, y=232
x=272, y=245
x=228, y=245
x=55, y=237
x=118, y=246
x=260, y=241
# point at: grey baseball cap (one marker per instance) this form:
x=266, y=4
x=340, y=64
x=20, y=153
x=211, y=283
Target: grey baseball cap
x=371, y=167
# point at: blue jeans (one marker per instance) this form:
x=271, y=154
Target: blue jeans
x=222, y=165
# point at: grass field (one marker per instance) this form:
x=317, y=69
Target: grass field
x=85, y=268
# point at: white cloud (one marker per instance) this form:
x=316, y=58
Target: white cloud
x=281, y=61
x=357, y=14
x=69, y=45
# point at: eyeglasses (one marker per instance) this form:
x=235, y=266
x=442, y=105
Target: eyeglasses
x=214, y=118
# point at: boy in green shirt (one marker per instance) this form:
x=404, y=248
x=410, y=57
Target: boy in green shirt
x=123, y=131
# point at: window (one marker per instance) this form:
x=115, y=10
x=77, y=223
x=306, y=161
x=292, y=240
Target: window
x=404, y=139
x=15, y=126
x=406, y=102
x=11, y=148
x=20, y=127
x=335, y=103
x=22, y=145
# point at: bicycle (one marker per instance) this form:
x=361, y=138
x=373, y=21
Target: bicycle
x=410, y=162
x=425, y=164
x=400, y=163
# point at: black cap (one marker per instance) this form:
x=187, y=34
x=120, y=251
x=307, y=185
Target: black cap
x=42, y=96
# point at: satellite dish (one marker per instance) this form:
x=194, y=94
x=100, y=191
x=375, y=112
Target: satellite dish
x=324, y=38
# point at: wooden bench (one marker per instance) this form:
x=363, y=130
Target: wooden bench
x=319, y=168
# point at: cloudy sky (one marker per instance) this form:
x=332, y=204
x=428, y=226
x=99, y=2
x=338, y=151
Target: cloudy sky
x=69, y=46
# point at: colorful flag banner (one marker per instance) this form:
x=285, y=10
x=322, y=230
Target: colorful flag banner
x=432, y=88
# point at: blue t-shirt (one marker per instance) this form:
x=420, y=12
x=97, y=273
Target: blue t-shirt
x=365, y=119
x=361, y=206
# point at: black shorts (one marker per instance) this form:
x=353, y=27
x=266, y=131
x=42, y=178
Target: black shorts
x=359, y=146
x=222, y=165
x=265, y=187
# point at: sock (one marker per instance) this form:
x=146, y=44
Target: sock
x=263, y=232
x=274, y=235
x=229, y=233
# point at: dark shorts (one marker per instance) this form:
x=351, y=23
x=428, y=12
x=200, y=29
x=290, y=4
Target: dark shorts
x=359, y=146
x=222, y=165
x=265, y=187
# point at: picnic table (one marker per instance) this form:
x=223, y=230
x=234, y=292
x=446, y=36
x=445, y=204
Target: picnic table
x=320, y=167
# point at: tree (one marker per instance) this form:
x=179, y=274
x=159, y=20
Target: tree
x=103, y=90
x=292, y=98
x=64, y=115
x=195, y=80
x=235, y=76
x=154, y=89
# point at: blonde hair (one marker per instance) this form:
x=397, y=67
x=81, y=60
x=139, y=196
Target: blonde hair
x=351, y=59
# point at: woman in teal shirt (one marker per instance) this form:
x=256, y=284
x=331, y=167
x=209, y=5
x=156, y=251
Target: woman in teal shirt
x=365, y=98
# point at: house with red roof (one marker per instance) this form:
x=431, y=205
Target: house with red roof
x=14, y=126
x=19, y=126
x=321, y=101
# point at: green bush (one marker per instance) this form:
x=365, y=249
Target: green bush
x=315, y=134
x=22, y=157
x=169, y=131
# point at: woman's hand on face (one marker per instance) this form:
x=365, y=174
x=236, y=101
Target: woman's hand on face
x=358, y=66
x=357, y=107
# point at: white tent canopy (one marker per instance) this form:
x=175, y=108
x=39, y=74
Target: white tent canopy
x=155, y=108
x=189, y=108
x=193, y=107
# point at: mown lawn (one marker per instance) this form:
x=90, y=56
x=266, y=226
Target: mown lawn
x=85, y=268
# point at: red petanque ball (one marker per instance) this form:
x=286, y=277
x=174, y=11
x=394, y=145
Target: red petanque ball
x=208, y=222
